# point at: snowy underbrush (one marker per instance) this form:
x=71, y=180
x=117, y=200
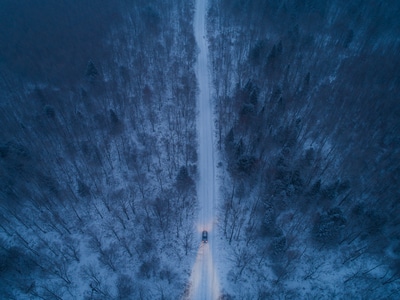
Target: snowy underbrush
x=308, y=203
x=101, y=196
x=289, y=265
x=269, y=250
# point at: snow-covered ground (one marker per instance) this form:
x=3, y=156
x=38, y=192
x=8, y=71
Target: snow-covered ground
x=204, y=277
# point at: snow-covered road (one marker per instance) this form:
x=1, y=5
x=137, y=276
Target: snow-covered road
x=204, y=279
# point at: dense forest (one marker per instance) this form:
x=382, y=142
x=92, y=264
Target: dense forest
x=308, y=117
x=97, y=149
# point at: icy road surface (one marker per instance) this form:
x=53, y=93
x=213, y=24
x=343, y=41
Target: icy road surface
x=204, y=280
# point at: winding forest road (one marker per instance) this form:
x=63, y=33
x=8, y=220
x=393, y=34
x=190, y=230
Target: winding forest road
x=204, y=279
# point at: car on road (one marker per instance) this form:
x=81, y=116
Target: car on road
x=204, y=236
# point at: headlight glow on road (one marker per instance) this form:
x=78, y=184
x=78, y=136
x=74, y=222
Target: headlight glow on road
x=203, y=282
